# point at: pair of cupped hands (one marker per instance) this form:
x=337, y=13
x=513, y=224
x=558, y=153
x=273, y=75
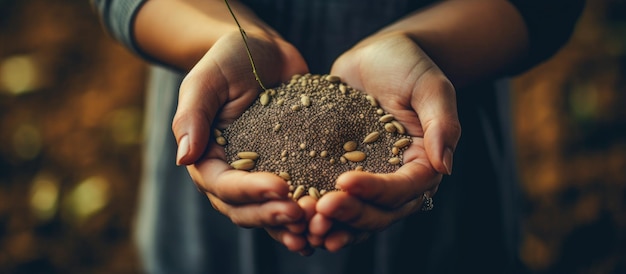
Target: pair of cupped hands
x=391, y=67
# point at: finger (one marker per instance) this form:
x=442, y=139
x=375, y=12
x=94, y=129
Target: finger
x=198, y=102
x=268, y=214
x=345, y=208
x=307, y=203
x=391, y=190
x=339, y=239
x=437, y=111
x=319, y=226
x=293, y=242
x=234, y=186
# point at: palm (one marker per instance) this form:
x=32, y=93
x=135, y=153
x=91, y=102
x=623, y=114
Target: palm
x=408, y=85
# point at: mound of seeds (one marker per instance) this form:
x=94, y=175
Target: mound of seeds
x=311, y=130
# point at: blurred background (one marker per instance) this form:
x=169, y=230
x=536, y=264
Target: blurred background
x=71, y=111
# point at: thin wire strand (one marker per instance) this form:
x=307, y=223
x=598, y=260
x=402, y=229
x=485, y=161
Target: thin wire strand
x=245, y=41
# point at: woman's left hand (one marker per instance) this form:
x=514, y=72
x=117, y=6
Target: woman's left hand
x=408, y=84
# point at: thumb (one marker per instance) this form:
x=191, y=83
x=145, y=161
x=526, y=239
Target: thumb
x=437, y=110
x=198, y=103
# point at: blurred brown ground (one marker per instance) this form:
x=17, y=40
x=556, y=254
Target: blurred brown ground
x=71, y=110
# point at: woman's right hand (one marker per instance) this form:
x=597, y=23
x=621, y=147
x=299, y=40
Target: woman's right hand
x=217, y=90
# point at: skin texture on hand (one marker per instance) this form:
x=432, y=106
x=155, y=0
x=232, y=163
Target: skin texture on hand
x=215, y=92
x=407, y=84
x=395, y=66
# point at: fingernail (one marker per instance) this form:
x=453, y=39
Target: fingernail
x=282, y=218
x=272, y=196
x=183, y=149
x=345, y=239
x=447, y=160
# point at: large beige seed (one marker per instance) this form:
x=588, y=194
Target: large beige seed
x=271, y=92
x=265, y=99
x=284, y=175
x=248, y=155
x=277, y=127
x=342, y=159
x=332, y=161
x=399, y=127
x=243, y=164
x=359, y=168
x=355, y=156
x=296, y=107
x=342, y=88
x=283, y=153
x=333, y=78
x=380, y=111
x=402, y=143
x=305, y=100
x=221, y=141
x=313, y=192
x=298, y=192
x=323, y=153
x=280, y=101
x=350, y=146
x=395, y=150
x=372, y=137
x=389, y=127
x=302, y=146
x=312, y=153
x=394, y=161
x=372, y=100
x=386, y=118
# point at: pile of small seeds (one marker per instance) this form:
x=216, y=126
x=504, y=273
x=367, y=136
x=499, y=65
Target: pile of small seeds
x=311, y=130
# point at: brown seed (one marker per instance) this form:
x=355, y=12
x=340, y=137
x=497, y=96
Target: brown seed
x=291, y=188
x=298, y=192
x=399, y=127
x=284, y=175
x=248, y=155
x=283, y=153
x=333, y=78
x=221, y=141
x=296, y=107
x=394, y=161
x=332, y=161
x=372, y=100
x=350, y=146
x=217, y=132
x=243, y=164
x=359, y=168
x=323, y=153
x=284, y=159
x=343, y=160
x=389, y=127
x=313, y=192
x=372, y=137
x=354, y=156
x=386, y=118
x=395, y=150
x=402, y=143
x=305, y=100
x=302, y=146
x=312, y=153
x=265, y=98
